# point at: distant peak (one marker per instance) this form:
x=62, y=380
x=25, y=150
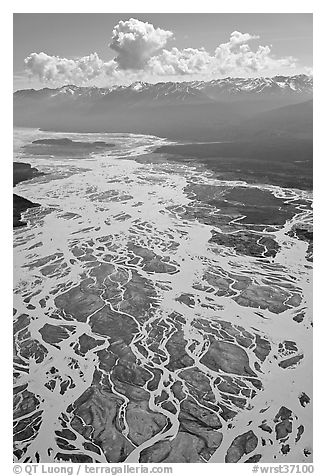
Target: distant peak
x=138, y=85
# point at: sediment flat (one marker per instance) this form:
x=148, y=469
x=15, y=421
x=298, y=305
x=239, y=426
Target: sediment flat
x=275, y=161
x=163, y=312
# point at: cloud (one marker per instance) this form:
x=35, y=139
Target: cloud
x=142, y=53
x=179, y=62
x=237, y=57
x=55, y=69
x=237, y=38
x=234, y=57
x=136, y=42
x=308, y=71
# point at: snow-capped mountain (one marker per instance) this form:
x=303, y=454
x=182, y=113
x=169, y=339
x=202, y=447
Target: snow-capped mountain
x=203, y=91
x=169, y=109
x=247, y=86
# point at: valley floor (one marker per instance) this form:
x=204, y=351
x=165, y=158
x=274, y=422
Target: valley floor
x=163, y=310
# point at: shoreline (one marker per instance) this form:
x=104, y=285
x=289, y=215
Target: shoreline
x=22, y=171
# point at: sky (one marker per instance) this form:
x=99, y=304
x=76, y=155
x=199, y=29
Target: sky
x=52, y=49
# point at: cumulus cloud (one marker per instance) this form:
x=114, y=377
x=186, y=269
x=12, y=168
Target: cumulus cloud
x=182, y=62
x=237, y=38
x=237, y=57
x=142, y=52
x=136, y=42
x=232, y=57
x=55, y=69
x=308, y=70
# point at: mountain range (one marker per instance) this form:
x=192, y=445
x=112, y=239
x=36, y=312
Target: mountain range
x=197, y=110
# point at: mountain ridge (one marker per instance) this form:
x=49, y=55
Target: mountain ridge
x=296, y=83
x=185, y=110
